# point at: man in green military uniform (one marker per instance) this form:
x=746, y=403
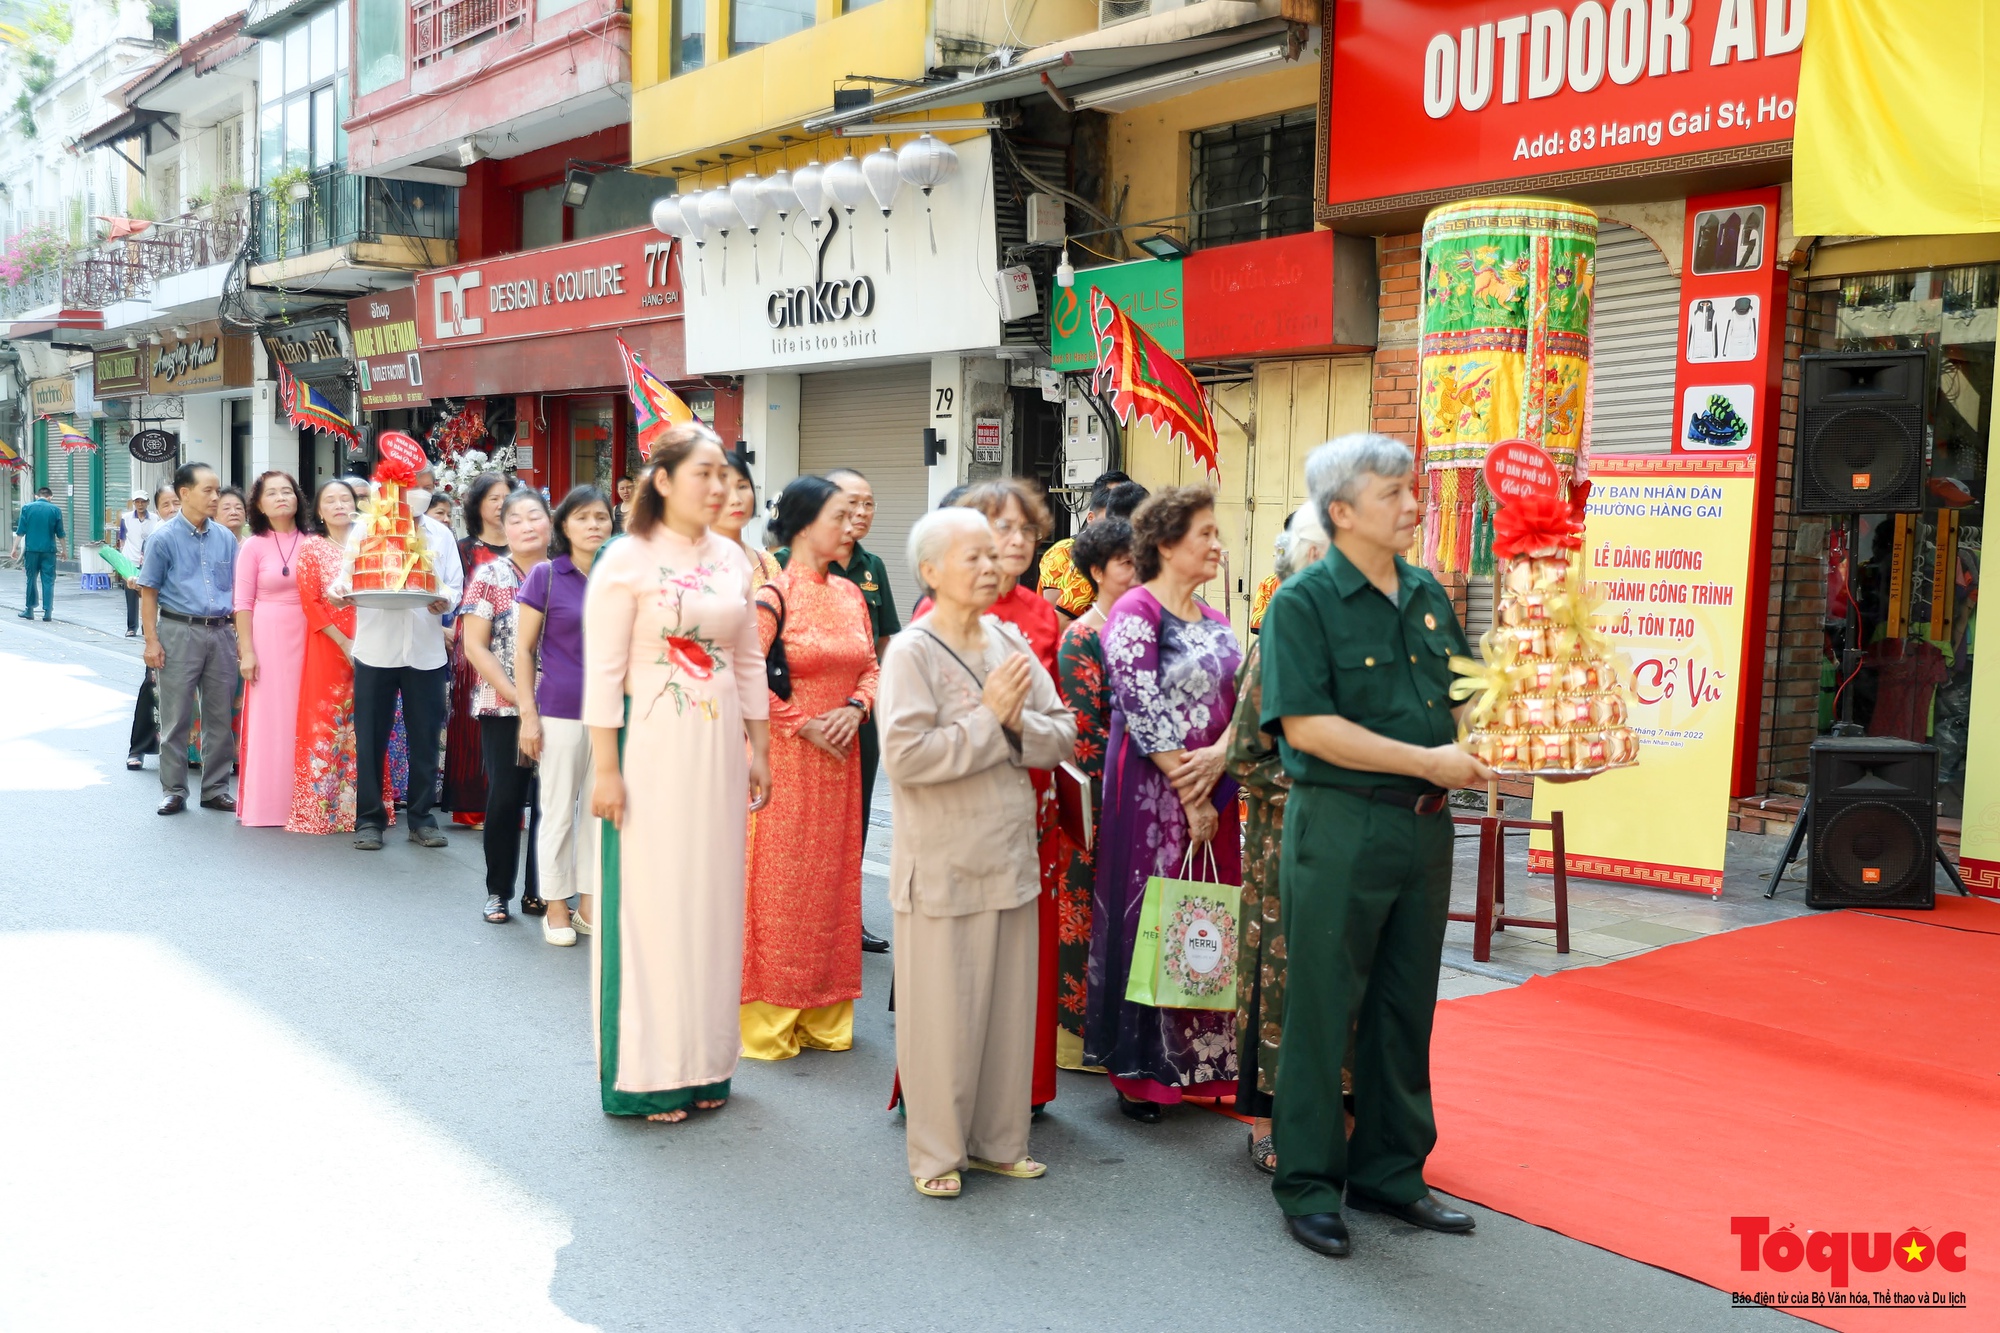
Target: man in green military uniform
x=1357, y=689
x=866, y=571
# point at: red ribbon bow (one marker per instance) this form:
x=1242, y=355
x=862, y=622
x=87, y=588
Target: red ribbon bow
x=1539, y=522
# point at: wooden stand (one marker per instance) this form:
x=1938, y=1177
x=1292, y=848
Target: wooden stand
x=1488, y=914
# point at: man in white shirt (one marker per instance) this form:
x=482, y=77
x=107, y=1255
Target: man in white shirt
x=132, y=527
x=403, y=652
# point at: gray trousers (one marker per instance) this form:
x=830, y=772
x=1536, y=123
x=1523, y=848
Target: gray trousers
x=201, y=664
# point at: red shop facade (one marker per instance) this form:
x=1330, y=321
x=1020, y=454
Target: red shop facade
x=535, y=336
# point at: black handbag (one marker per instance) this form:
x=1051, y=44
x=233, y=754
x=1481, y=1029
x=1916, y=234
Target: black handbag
x=777, y=670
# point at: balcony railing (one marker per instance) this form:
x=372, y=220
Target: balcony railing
x=129, y=269
x=341, y=209
x=439, y=25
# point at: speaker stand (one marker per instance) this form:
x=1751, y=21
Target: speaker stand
x=1792, y=845
x=1951, y=873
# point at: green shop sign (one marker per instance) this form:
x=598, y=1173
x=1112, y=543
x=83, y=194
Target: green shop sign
x=1149, y=290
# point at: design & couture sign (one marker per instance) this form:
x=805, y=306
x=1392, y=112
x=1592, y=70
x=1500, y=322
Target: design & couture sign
x=605, y=282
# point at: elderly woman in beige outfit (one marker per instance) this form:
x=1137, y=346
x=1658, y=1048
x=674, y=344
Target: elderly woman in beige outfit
x=965, y=711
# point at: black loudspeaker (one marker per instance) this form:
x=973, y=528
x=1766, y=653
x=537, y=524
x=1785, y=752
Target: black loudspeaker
x=1874, y=823
x=1861, y=433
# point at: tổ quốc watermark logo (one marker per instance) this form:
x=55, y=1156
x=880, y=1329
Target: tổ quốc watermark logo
x=1846, y=1259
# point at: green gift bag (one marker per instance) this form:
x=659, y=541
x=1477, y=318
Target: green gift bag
x=1185, y=954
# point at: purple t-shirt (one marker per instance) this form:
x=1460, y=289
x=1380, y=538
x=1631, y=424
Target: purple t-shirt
x=555, y=588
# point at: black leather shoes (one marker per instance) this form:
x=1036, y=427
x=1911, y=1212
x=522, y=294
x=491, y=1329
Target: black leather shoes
x=1426, y=1212
x=1146, y=1113
x=873, y=943
x=1324, y=1232
x=222, y=802
x=533, y=905
x=173, y=805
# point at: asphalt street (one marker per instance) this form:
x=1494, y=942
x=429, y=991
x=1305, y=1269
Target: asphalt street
x=261, y=1081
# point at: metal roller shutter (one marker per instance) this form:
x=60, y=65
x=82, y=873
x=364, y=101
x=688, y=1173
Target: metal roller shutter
x=1634, y=334
x=1479, y=590
x=873, y=421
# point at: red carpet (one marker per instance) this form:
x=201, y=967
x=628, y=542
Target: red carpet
x=1838, y=1072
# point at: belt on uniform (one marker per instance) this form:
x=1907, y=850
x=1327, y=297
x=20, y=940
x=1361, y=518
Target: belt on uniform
x=1423, y=802
x=215, y=621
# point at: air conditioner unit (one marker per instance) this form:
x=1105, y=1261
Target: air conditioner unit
x=1110, y=12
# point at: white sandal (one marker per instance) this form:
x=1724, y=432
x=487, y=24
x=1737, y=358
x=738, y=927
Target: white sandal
x=558, y=935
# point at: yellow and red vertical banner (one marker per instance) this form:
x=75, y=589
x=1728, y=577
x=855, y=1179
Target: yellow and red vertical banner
x=1668, y=553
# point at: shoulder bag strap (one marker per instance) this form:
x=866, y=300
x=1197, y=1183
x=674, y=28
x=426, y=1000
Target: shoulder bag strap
x=977, y=679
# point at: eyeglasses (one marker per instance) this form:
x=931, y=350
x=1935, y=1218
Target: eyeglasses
x=1004, y=529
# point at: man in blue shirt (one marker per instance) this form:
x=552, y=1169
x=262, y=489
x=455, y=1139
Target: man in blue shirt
x=186, y=598
x=38, y=534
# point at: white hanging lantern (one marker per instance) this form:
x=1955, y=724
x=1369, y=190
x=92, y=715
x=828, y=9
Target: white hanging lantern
x=694, y=227
x=747, y=194
x=779, y=197
x=848, y=185
x=927, y=162
x=809, y=184
x=884, y=179
x=667, y=217
x=718, y=210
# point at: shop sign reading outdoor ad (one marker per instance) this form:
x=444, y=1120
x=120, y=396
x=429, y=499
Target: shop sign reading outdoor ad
x=388, y=367
x=606, y=282
x=1667, y=549
x=848, y=286
x=1458, y=97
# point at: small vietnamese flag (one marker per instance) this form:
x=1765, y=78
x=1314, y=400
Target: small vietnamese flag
x=655, y=407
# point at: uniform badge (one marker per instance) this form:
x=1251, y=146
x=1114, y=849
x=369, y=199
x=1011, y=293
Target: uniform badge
x=1430, y=621
x=869, y=584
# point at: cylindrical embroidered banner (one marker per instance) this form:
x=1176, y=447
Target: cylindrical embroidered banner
x=1503, y=354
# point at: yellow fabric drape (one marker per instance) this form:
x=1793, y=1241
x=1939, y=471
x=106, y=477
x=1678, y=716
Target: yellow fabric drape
x=1898, y=128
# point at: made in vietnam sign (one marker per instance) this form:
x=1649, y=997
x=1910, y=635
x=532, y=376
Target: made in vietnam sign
x=1149, y=290
x=388, y=368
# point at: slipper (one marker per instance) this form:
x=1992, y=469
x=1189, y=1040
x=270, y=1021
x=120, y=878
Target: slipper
x=581, y=923
x=1025, y=1169
x=924, y=1187
x=1264, y=1154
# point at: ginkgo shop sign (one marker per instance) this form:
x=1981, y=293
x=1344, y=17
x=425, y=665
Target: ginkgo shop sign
x=1490, y=91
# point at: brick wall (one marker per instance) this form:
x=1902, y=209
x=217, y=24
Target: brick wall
x=1393, y=399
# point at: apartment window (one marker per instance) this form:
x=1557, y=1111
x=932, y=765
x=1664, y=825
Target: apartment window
x=378, y=42
x=229, y=153
x=1252, y=180
x=542, y=217
x=303, y=83
x=690, y=35
x=755, y=23
x=619, y=200
x=849, y=6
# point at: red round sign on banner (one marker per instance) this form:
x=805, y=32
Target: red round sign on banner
x=1515, y=468
x=398, y=457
